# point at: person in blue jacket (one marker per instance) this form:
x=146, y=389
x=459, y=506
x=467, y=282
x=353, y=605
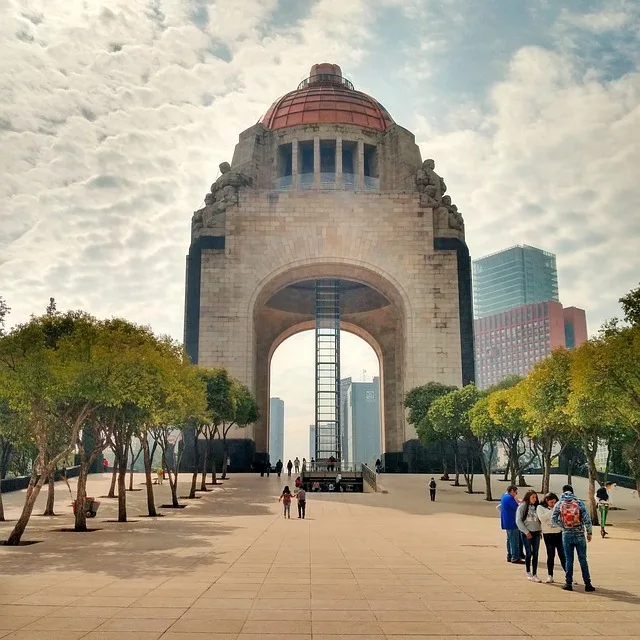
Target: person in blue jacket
x=508, y=509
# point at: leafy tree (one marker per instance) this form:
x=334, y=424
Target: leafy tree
x=543, y=395
x=450, y=418
x=245, y=413
x=487, y=432
x=45, y=377
x=631, y=306
x=4, y=312
x=418, y=401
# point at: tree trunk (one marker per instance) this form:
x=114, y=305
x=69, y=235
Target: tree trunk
x=173, y=484
x=122, y=490
x=569, y=470
x=32, y=495
x=214, y=479
x=488, y=495
x=194, y=483
x=546, y=471
x=151, y=503
x=522, y=481
x=205, y=464
x=593, y=474
x=114, y=477
x=2, y=518
x=51, y=495
x=456, y=482
x=196, y=466
x=608, y=464
x=225, y=456
x=81, y=517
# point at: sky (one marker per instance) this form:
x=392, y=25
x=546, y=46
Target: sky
x=114, y=116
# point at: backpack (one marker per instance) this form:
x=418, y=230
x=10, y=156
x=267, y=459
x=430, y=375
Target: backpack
x=570, y=514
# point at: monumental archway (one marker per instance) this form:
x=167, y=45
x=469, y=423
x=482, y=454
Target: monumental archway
x=328, y=217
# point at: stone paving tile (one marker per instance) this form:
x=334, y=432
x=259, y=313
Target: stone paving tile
x=135, y=624
x=557, y=627
x=170, y=635
x=614, y=629
x=493, y=629
x=429, y=628
x=279, y=614
x=216, y=614
x=283, y=627
x=35, y=634
x=331, y=615
x=344, y=627
x=407, y=616
x=12, y=623
x=65, y=624
x=207, y=626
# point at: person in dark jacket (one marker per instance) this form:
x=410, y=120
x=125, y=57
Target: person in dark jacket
x=289, y=467
x=279, y=466
x=432, y=489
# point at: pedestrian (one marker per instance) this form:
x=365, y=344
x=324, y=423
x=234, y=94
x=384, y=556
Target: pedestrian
x=571, y=516
x=296, y=465
x=432, y=489
x=302, y=502
x=313, y=464
x=530, y=529
x=289, y=467
x=304, y=465
x=603, y=500
x=267, y=466
x=551, y=534
x=339, y=482
x=508, y=508
x=279, y=466
x=378, y=465
x=105, y=465
x=285, y=498
x=160, y=475
x=298, y=482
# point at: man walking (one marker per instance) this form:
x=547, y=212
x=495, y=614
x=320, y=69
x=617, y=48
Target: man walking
x=289, y=467
x=571, y=516
x=302, y=502
x=279, y=466
x=508, y=508
x=296, y=465
x=432, y=489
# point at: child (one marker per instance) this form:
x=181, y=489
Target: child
x=285, y=498
x=160, y=474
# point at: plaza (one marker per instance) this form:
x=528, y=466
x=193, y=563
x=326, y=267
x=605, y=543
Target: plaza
x=386, y=565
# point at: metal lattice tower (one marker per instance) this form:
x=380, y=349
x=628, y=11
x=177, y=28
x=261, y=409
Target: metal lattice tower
x=328, y=370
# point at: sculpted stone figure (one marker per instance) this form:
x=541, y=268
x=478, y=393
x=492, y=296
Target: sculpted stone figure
x=429, y=182
x=454, y=216
x=223, y=194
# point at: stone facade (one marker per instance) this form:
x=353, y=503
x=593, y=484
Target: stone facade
x=383, y=231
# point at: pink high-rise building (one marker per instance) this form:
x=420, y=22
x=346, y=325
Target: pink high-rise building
x=511, y=342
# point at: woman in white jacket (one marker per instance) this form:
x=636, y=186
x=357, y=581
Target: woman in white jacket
x=529, y=524
x=551, y=534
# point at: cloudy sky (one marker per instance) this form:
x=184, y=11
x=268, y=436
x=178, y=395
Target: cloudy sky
x=114, y=116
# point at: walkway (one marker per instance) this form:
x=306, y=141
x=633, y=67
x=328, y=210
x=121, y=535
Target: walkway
x=229, y=567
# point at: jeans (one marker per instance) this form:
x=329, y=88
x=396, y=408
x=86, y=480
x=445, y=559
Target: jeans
x=432, y=492
x=287, y=509
x=531, y=548
x=302, y=506
x=575, y=540
x=513, y=545
x=553, y=542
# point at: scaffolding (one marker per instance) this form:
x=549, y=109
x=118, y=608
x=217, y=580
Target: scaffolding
x=328, y=370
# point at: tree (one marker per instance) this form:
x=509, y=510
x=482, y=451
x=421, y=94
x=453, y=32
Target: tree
x=487, y=432
x=418, y=401
x=544, y=395
x=513, y=426
x=44, y=376
x=450, y=418
x=245, y=413
x=4, y=312
x=631, y=306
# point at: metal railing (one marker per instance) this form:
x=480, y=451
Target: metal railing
x=370, y=477
x=326, y=78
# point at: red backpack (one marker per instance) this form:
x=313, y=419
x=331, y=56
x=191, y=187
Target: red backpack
x=570, y=514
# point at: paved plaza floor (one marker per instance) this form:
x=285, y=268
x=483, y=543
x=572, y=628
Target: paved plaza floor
x=230, y=567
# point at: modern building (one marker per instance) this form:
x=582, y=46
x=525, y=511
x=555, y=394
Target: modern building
x=360, y=421
x=328, y=217
x=512, y=278
x=312, y=442
x=511, y=342
x=276, y=429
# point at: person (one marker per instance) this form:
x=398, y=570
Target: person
x=508, y=507
x=378, y=465
x=279, y=466
x=339, y=482
x=571, y=516
x=304, y=465
x=551, y=534
x=160, y=475
x=302, y=502
x=603, y=500
x=267, y=466
x=296, y=465
x=529, y=524
x=316, y=486
x=105, y=465
x=432, y=489
x=285, y=498
x=289, y=467
x=313, y=464
x=298, y=482
x=332, y=464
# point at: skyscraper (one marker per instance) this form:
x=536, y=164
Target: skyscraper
x=512, y=278
x=360, y=421
x=276, y=429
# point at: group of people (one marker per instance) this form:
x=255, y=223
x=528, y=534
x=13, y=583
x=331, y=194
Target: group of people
x=300, y=495
x=295, y=466
x=562, y=523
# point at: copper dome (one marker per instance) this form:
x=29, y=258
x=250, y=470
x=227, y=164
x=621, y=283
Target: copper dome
x=325, y=97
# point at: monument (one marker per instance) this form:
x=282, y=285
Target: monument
x=327, y=218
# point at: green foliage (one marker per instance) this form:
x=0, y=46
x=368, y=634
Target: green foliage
x=449, y=414
x=631, y=306
x=418, y=401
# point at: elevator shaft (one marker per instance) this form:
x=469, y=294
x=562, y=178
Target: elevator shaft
x=327, y=308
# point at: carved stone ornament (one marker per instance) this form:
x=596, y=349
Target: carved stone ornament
x=224, y=194
x=428, y=181
x=454, y=216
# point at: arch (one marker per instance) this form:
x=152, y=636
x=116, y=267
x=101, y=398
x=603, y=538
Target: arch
x=351, y=328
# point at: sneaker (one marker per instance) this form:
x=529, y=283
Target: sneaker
x=535, y=579
x=549, y=580
x=567, y=587
x=529, y=576
x=517, y=561
x=589, y=587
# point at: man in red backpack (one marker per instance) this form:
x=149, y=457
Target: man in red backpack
x=572, y=517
